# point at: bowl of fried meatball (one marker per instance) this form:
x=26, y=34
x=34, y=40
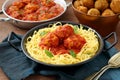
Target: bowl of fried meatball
x=102, y=15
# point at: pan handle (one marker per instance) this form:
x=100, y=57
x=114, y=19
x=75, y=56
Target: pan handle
x=10, y=42
x=114, y=43
x=3, y=19
x=1, y=11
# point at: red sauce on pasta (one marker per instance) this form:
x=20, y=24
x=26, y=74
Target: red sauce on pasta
x=34, y=10
x=62, y=40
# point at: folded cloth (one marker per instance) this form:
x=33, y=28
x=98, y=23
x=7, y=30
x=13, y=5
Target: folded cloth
x=17, y=66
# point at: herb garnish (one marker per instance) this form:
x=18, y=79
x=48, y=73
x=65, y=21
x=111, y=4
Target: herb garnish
x=48, y=53
x=75, y=29
x=43, y=33
x=72, y=53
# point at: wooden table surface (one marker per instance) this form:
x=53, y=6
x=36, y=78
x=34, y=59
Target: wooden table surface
x=6, y=28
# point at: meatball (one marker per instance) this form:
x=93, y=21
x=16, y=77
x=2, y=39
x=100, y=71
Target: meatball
x=19, y=4
x=15, y=14
x=30, y=17
x=49, y=40
x=108, y=12
x=74, y=42
x=43, y=16
x=88, y=3
x=26, y=1
x=101, y=4
x=64, y=31
x=82, y=9
x=42, y=10
x=115, y=6
x=30, y=7
x=93, y=12
x=12, y=9
x=77, y=3
x=48, y=3
x=58, y=50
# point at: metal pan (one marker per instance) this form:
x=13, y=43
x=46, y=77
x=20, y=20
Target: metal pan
x=28, y=24
x=30, y=32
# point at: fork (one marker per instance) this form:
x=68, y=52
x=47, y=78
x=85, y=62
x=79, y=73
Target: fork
x=114, y=62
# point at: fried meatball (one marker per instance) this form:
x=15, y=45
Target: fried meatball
x=16, y=14
x=88, y=3
x=108, y=12
x=64, y=31
x=77, y=3
x=30, y=17
x=58, y=50
x=18, y=4
x=30, y=8
x=115, y=6
x=93, y=12
x=74, y=41
x=26, y=1
x=101, y=4
x=82, y=9
x=49, y=40
x=11, y=9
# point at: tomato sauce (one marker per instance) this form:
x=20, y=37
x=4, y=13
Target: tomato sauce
x=62, y=40
x=34, y=10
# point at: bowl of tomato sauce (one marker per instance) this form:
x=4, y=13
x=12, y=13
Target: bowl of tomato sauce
x=26, y=14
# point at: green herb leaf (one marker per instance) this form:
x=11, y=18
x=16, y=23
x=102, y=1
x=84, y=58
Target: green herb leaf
x=48, y=53
x=75, y=28
x=72, y=53
x=43, y=33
